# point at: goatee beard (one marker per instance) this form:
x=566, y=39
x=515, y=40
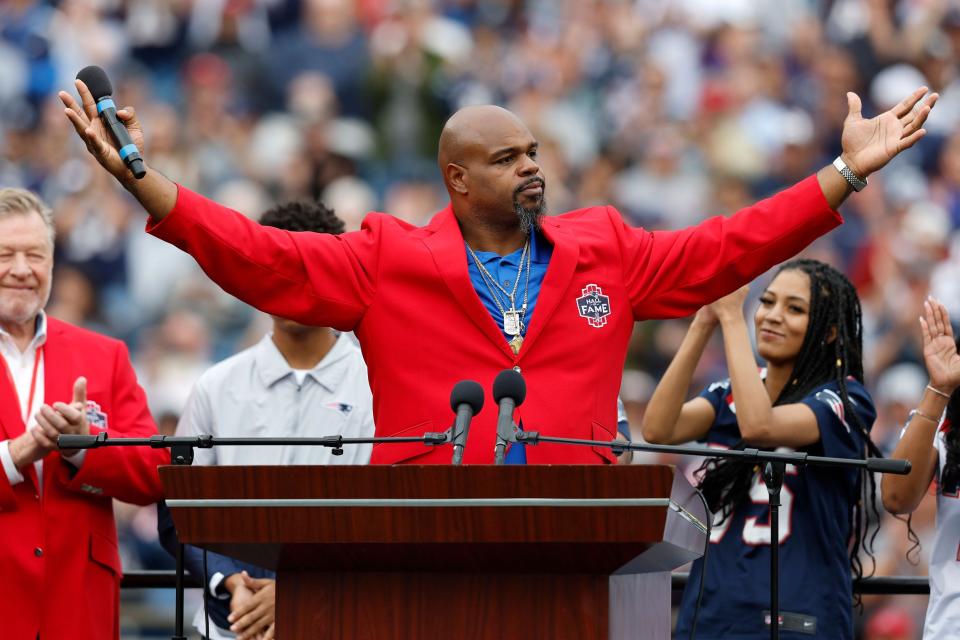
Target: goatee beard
x=530, y=218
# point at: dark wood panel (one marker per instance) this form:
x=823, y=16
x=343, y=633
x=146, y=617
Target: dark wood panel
x=379, y=606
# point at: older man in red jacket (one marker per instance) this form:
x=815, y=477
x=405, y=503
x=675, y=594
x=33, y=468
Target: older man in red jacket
x=58, y=541
x=491, y=284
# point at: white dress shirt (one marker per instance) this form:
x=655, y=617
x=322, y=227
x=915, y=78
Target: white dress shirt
x=257, y=394
x=20, y=365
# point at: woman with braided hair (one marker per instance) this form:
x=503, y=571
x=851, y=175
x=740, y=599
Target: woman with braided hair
x=931, y=442
x=810, y=398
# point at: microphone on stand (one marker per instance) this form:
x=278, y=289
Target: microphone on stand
x=509, y=391
x=466, y=400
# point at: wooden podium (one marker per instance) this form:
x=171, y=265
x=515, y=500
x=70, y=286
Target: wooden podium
x=451, y=552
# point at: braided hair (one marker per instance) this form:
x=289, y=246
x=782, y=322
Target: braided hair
x=834, y=311
x=950, y=475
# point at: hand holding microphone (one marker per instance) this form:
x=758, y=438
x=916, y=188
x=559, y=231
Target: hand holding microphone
x=98, y=116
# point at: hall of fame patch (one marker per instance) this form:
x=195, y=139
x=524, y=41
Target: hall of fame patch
x=593, y=305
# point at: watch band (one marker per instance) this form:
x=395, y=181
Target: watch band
x=852, y=179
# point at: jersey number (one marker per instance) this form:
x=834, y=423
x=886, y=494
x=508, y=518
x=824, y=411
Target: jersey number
x=755, y=532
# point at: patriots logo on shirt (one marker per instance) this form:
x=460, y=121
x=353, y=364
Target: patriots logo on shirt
x=343, y=408
x=95, y=415
x=835, y=403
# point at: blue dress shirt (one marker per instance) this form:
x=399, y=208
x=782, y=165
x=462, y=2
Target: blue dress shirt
x=505, y=269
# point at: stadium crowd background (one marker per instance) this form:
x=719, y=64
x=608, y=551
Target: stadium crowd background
x=672, y=110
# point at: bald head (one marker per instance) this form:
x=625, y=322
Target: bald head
x=488, y=159
x=477, y=129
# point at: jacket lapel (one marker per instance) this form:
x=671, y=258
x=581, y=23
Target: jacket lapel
x=450, y=257
x=57, y=381
x=563, y=265
x=10, y=419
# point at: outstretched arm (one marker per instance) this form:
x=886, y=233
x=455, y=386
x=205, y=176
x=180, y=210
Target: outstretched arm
x=674, y=273
x=902, y=494
x=668, y=419
x=154, y=191
x=316, y=279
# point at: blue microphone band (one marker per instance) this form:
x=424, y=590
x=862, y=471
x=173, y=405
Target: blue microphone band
x=105, y=103
x=127, y=150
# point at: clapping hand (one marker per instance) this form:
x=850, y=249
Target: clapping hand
x=939, y=347
x=730, y=306
x=63, y=418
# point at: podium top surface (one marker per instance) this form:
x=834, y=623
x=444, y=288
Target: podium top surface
x=268, y=513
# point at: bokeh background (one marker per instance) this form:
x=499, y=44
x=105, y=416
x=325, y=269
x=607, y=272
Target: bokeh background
x=671, y=110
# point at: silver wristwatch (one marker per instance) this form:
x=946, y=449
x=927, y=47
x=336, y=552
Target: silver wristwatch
x=853, y=179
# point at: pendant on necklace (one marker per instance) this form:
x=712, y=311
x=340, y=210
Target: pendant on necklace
x=511, y=322
x=515, y=344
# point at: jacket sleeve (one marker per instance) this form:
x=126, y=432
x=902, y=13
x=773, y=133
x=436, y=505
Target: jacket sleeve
x=673, y=273
x=313, y=278
x=128, y=474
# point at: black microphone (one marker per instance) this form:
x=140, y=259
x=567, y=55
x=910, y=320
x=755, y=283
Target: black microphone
x=100, y=88
x=509, y=391
x=466, y=400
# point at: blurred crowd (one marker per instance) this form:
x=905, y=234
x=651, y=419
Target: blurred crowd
x=671, y=110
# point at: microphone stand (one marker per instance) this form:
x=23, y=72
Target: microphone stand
x=181, y=453
x=774, y=464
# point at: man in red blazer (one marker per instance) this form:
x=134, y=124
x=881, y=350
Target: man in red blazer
x=58, y=542
x=490, y=283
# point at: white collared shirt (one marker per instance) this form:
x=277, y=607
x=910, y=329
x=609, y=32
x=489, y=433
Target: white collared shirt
x=257, y=394
x=20, y=365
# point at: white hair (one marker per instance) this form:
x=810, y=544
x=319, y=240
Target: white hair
x=20, y=201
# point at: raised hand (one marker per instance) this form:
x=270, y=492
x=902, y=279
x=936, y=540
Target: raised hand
x=706, y=316
x=730, y=306
x=99, y=143
x=939, y=347
x=868, y=145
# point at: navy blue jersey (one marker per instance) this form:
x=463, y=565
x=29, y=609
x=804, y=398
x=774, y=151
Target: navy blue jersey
x=815, y=512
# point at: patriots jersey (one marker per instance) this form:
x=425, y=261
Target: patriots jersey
x=814, y=529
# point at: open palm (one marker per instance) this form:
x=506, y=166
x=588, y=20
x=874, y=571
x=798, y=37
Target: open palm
x=939, y=347
x=870, y=144
x=91, y=130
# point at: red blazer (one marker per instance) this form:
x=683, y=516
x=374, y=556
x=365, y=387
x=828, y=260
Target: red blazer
x=58, y=549
x=406, y=293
